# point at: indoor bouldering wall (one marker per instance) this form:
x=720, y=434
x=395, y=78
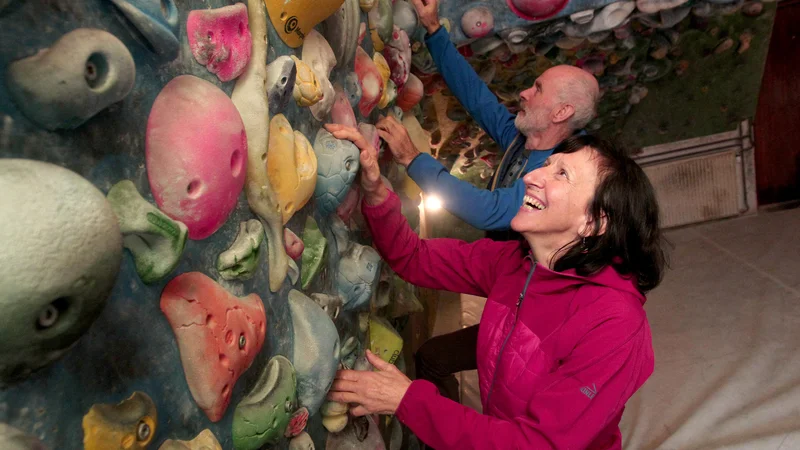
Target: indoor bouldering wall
x=182, y=251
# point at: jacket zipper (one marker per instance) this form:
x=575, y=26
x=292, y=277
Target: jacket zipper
x=505, y=341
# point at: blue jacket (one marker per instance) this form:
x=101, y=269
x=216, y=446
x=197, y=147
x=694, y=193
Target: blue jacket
x=483, y=209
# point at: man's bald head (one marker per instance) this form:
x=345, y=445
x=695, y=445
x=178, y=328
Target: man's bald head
x=578, y=88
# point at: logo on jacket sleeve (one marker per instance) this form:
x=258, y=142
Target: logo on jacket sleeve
x=589, y=391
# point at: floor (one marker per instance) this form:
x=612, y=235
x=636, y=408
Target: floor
x=726, y=333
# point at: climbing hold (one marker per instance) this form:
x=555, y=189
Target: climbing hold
x=314, y=246
x=362, y=432
x=334, y=416
x=240, y=260
x=281, y=75
x=316, y=350
x=157, y=21
x=411, y=93
x=218, y=336
x=307, y=89
x=369, y=79
x=389, y=94
x=301, y=442
x=14, y=439
x=357, y=271
x=297, y=423
x=477, y=22
x=220, y=39
x=405, y=16
x=352, y=88
x=331, y=304
x=654, y=6
x=536, y=9
x=250, y=98
x=60, y=257
x=381, y=22
x=128, y=425
x=155, y=241
x=341, y=112
x=196, y=150
x=384, y=341
x=262, y=415
x=318, y=54
x=295, y=19
x=349, y=204
x=63, y=86
x=341, y=31
x=337, y=166
x=294, y=246
x=203, y=441
x=398, y=54
x=291, y=166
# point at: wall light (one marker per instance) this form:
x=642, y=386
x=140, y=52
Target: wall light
x=432, y=203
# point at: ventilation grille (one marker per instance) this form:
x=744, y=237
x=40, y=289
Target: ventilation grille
x=696, y=189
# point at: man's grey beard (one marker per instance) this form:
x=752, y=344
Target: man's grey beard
x=526, y=125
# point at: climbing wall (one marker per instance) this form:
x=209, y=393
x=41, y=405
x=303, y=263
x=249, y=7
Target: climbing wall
x=182, y=251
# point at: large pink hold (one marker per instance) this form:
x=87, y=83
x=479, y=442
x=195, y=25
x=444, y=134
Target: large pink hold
x=218, y=336
x=196, y=153
x=411, y=94
x=220, y=39
x=341, y=112
x=370, y=80
x=398, y=54
x=536, y=9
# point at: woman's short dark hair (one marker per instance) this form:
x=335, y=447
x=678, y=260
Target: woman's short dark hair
x=625, y=199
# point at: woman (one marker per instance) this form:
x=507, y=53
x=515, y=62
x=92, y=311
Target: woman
x=563, y=341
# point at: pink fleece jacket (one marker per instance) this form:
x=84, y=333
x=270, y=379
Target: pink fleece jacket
x=558, y=354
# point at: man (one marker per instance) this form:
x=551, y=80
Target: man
x=560, y=103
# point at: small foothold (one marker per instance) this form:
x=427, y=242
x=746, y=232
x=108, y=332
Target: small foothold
x=281, y=75
x=314, y=252
x=352, y=88
x=331, y=304
x=196, y=154
x=291, y=166
x=389, y=94
x=155, y=241
x=51, y=297
x=337, y=166
x=218, y=336
x=398, y=54
x=301, y=442
x=316, y=350
x=307, y=89
x=411, y=94
x=14, y=439
x=294, y=246
x=752, y=8
x=203, y=441
x=220, y=39
x=157, y=21
x=240, y=260
x=724, y=46
x=384, y=341
x=370, y=80
x=81, y=74
x=128, y=425
x=744, y=41
x=264, y=413
x=477, y=22
x=297, y=423
x=341, y=30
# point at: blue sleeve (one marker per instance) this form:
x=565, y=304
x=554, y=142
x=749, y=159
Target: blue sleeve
x=481, y=208
x=470, y=90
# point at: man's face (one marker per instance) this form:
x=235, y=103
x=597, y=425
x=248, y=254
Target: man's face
x=538, y=104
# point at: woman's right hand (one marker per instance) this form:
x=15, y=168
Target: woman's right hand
x=375, y=192
x=428, y=12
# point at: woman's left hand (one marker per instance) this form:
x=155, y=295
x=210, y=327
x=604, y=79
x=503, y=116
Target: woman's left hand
x=378, y=392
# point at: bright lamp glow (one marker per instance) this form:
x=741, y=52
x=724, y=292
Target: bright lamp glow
x=433, y=203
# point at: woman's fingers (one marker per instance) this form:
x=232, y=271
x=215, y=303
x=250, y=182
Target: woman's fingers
x=345, y=397
x=359, y=411
x=377, y=362
x=344, y=386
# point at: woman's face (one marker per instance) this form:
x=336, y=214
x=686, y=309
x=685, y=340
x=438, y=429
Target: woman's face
x=557, y=197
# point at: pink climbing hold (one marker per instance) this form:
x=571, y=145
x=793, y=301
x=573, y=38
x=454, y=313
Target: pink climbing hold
x=349, y=204
x=411, y=94
x=536, y=9
x=370, y=80
x=341, y=112
x=196, y=154
x=220, y=39
x=477, y=22
x=293, y=245
x=297, y=423
x=398, y=54
x=218, y=336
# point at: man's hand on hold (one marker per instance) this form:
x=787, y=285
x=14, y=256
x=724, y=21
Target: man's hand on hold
x=428, y=12
x=397, y=139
